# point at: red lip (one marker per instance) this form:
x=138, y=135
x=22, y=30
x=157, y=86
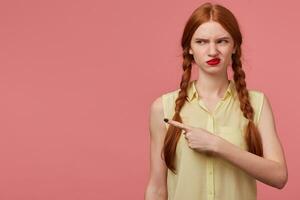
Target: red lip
x=214, y=61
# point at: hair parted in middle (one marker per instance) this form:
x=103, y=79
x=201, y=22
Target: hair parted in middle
x=215, y=12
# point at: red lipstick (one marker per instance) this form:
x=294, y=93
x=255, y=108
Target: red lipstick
x=214, y=61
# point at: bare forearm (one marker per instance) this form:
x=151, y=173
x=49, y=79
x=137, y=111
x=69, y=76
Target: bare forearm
x=267, y=171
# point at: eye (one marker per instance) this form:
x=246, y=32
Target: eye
x=200, y=41
x=226, y=41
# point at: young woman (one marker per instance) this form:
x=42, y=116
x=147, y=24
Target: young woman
x=218, y=137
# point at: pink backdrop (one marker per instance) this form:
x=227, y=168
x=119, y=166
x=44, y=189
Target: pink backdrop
x=77, y=79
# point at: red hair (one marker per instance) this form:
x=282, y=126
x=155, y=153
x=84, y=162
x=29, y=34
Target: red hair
x=222, y=15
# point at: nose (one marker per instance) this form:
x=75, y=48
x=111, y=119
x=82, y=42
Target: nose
x=212, y=51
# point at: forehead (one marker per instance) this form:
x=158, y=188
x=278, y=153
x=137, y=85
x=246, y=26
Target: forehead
x=210, y=29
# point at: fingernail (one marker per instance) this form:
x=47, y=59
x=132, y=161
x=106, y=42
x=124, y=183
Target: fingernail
x=166, y=120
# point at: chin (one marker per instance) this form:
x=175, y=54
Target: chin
x=213, y=70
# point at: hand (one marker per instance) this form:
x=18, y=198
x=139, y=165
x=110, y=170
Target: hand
x=198, y=138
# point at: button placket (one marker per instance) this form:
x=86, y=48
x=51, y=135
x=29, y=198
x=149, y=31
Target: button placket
x=210, y=174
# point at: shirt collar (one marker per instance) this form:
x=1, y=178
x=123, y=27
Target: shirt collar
x=192, y=92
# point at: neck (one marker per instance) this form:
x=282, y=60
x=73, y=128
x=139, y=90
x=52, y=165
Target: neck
x=212, y=87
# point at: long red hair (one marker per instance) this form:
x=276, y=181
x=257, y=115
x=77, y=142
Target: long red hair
x=222, y=15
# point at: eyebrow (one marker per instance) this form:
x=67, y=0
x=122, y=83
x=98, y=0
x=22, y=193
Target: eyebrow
x=221, y=38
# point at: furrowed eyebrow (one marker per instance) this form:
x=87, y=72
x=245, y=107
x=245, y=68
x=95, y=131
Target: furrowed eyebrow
x=221, y=38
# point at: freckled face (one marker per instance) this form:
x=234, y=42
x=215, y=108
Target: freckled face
x=209, y=41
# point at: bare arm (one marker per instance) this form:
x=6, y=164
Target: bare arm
x=157, y=186
x=272, y=168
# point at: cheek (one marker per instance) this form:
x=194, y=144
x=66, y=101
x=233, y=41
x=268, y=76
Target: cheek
x=199, y=59
x=228, y=56
x=199, y=55
x=226, y=53
x=225, y=50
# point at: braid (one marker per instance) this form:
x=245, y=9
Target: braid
x=173, y=133
x=186, y=76
x=252, y=135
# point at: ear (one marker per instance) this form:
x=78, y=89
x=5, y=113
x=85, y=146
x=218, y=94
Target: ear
x=190, y=51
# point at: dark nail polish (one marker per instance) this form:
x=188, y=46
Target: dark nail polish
x=166, y=120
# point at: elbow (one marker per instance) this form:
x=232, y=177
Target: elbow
x=281, y=184
x=283, y=180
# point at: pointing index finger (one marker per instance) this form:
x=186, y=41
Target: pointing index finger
x=178, y=124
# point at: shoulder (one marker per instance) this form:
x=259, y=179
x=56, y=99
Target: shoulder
x=256, y=97
x=159, y=104
x=156, y=113
x=163, y=106
x=169, y=98
x=170, y=94
x=254, y=94
x=257, y=100
x=156, y=105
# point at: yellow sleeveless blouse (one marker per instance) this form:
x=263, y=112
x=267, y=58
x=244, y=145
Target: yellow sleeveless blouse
x=200, y=176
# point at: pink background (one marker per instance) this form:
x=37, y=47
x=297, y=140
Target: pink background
x=77, y=79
